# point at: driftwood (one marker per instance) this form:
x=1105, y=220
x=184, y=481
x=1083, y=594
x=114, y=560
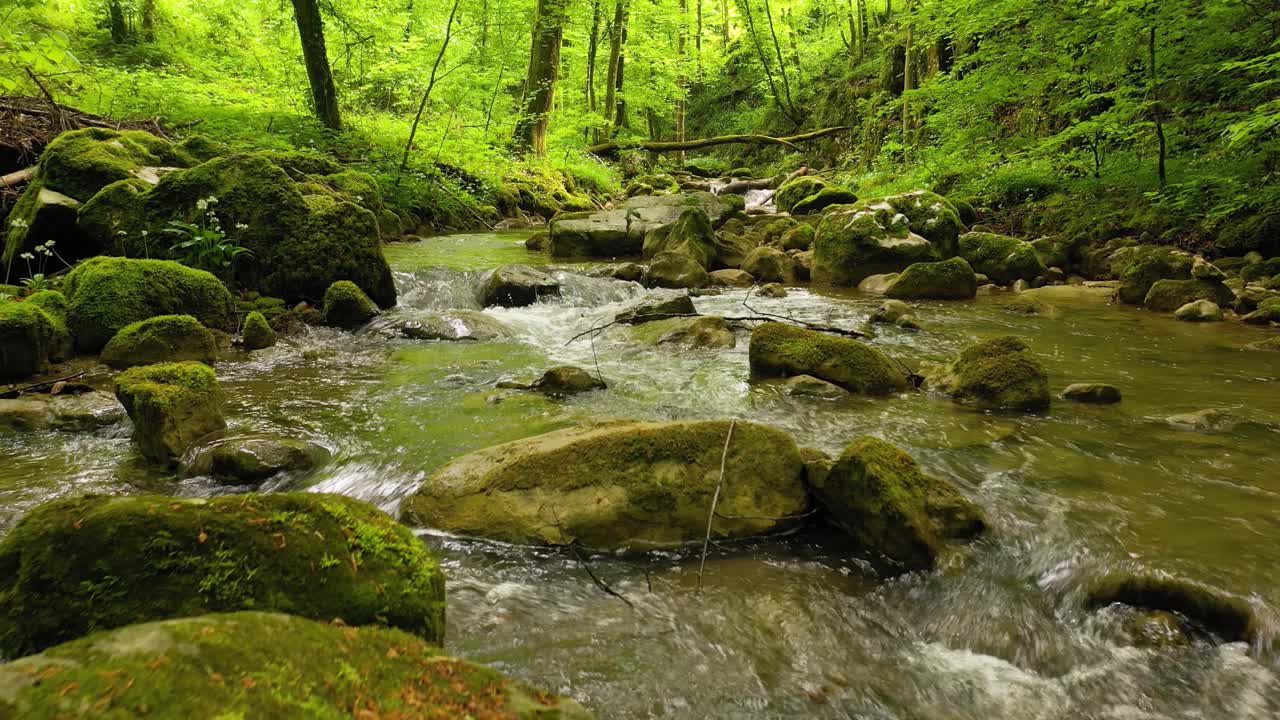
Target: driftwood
x=715, y=500
x=20, y=177
x=611, y=149
x=36, y=387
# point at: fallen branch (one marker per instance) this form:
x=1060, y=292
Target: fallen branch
x=18, y=177
x=715, y=500
x=611, y=149
x=759, y=317
x=599, y=583
x=11, y=394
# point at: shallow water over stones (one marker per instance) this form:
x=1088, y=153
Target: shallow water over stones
x=796, y=626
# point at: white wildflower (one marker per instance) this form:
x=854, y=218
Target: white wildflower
x=27, y=256
x=242, y=226
x=202, y=204
x=19, y=223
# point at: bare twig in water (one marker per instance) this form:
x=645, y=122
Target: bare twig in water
x=763, y=317
x=599, y=583
x=9, y=395
x=715, y=500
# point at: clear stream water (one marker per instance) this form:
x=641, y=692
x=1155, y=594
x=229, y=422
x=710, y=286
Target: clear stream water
x=797, y=626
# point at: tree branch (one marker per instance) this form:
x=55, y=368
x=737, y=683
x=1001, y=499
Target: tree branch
x=611, y=149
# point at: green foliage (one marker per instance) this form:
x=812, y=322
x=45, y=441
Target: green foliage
x=205, y=245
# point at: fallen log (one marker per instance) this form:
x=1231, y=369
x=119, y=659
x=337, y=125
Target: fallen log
x=18, y=177
x=611, y=149
x=740, y=187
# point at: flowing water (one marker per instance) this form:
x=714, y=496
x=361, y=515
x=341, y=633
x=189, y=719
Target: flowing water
x=797, y=626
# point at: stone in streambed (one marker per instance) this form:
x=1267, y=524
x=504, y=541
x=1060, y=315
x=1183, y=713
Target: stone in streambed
x=1027, y=304
x=947, y=280
x=895, y=312
x=346, y=306
x=658, y=310
x=676, y=271
x=1226, y=616
x=1092, y=393
x=1170, y=295
x=257, y=333
x=33, y=334
x=563, y=380
x=452, y=325
x=781, y=350
x=731, y=278
x=618, y=485
x=82, y=564
x=1199, y=311
x=877, y=284
x=772, y=290
x=1268, y=312
x=999, y=374
x=251, y=459
x=707, y=331
x=73, y=412
x=1210, y=420
x=171, y=405
x=516, y=286
x=689, y=235
x=770, y=265
x=809, y=386
x=165, y=338
x=1002, y=258
x=878, y=494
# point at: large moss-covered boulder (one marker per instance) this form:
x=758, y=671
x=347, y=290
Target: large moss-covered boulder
x=172, y=405
x=1002, y=258
x=621, y=231
x=41, y=215
x=77, y=565
x=346, y=306
x=999, y=374
x=690, y=235
x=164, y=338
x=928, y=214
x=878, y=494
x=781, y=350
x=883, y=235
x=108, y=293
x=618, y=485
x=796, y=189
x=33, y=333
x=1168, y=295
x=823, y=199
x=303, y=229
x=950, y=279
x=1268, y=312
x=82, y=162
x=769, y=264
x=1140, y=267
x=263, y=665
x=676, y=271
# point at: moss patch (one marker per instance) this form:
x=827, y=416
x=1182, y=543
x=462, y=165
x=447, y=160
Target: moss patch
x=1169, y=295
x=82, y=162
x=948, y=280
x=164, y=338
x=346, y=305
x=171, y=405
x=1002, y=258
x=999, y=374
x=32, y=334
x=78, y=565
x=257, y=333
x=781, y=350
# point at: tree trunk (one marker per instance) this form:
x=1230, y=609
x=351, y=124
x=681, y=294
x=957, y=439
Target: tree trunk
x=593, y=48
x=611, y=72
x=149, y=20
x=1156, y=109
x=540, y=81
x=724, y=20
x=782, y=64
x=119, y=32
x=316, y=57
x=908, y=83
x=682, y=81
x=620, y=116
x=610, y=149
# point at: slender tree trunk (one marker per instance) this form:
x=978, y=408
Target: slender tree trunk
x=697, y=41
x=782, y=64
x=611, y=72
x=725, y=25
x=119, y=32
x=540, y=81
x=908, y=80
x=484, y=25
x=316, y=57
x=682, y=80
x=620, y=116
x=149, y=20
x=1156, y=108
x=855, y=42
x=431, y=83
x=408, y=22
x=593, y=48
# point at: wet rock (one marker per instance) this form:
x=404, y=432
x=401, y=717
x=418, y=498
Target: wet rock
x=563, y=380
x=1027, y=304
x=988, y=289
x=516, y=286
x=42, y=214
x=659, y=310
x=33, y=334
x=1268, y=344
x=620, y=232
x=947, y=280
x=257, y=333
x=678, y=271
x=25, y=414
x=1091, y=292
x=152, y=557
x=346, y=306
x=222, y=654
x=770, y=265
x=999, y=374
x=470, y=325
x=618, y=485
x=627, y=272
x=878, y=494
x=823, y=199
x=251, y=459
x=877, y=284
x=172, y=405
x=1199, y=311
x=1020, y=286
x=689, y=235
x=731, y=250
x=1268, y=312
x=1169, y=295
x=1002, y=258
x=772, y=290
x=799, y=237
x=891, y=312
x=1210, y=420
x=1228, y=617
x=817, y=465
x=707, y=331
x=796, y=189
x=1092, y=393
x=1140, y=267
x=1202, y=269
x=855, y=241
x=165, y=338
x=731, y=278
x=804, y=264
x=1158, y=628
x=809, y=386
x=781, y=350
x=538, y=242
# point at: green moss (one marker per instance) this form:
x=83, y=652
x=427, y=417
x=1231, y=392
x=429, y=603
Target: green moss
x=998, y=374
x=81, y=565
x=171, y=405
x=82, y=162
x=107, y=293
x=1022, y=304
x=878, y=494
x=782, y=350
x=257, y=333
x=617, y=485
x=1169, y=295
x=1141, y=266
x=799, y=237
x=32, y=334
x=853, y=242
x=823, y=199
x=1002, y=258
x=795, y=190
x=346, y=305
x=690, y=235
x=948, y=280
x=260, y=665
x=164, y=338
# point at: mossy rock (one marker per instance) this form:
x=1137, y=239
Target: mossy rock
x=346, y=306
x=1141, y=266
x=516, y=286
x=1226, y=616
x=82, y=162
x=1167, y=296
x=706, y=331
x=878, y=494
x=1002, y=258
x=928, y=214
x=41, y=215
x=33, y=333
x=998, y=374
x=769, y=264
x=823, y=199
x=1262, y=270
x=854, y=242
x=1024, y=304
x=797, y=237
x=164, y=338
x=263, y=665
x=618, y=485
x=796, y=189
x=107, y=294
x=256, y=333
x=676, y=271
x=690, y=235
x=781, y=350
x=251, y=459
x=172, y=405
x=78, y=565
x=950, y=279
x=1268, y=312
x=657, y=310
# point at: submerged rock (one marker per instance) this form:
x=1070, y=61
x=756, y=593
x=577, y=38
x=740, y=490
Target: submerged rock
x=618, y=485
x=707, y=331
x=877, y=284
x=809, y=386
x=781, y=350
x=164, y=338
x=947, y=280
x=1199, y=311
x=676, y=271
x=1228, y=617
x=563, y=380
x=1210, y=420
x=1027, y=304
x=257, y=333
x=70, y=411
x=1093, y=393
x=251, y=459
x=658, y=310
x=450, y=325
x=878, y=494
x=999, y=374
x=772, y=290
x=85, y=564
x=171, y=405
x=516, y=286
x=264, y=665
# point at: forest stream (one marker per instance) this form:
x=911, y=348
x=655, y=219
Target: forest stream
x=800, y=625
